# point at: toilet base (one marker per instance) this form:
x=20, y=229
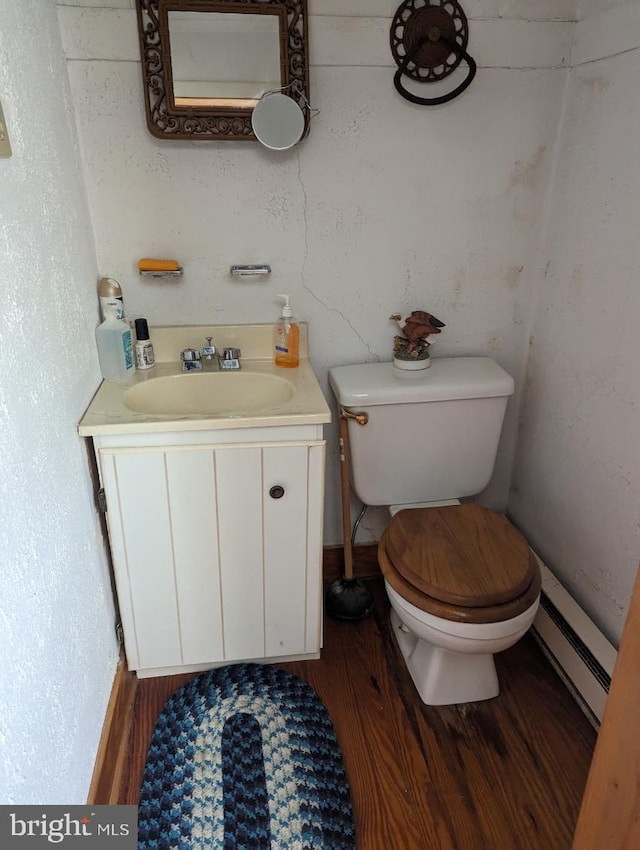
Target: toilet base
x=443, y=677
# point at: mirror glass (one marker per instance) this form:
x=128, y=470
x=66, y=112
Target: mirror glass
x=207, y=63
x=278, y=122
x=223, y=59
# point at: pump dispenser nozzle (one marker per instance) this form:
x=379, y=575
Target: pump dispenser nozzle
x=286, y=310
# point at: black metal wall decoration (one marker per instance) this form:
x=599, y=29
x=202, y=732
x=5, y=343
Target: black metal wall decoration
x=428, y=42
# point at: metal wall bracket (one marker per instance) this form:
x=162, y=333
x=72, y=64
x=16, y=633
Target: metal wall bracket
x=248, y=271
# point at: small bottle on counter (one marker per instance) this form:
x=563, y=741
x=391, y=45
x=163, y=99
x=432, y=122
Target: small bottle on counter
x=115, y=349
x=144, y=348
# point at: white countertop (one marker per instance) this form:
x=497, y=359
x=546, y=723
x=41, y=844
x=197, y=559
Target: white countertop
x=108, y=414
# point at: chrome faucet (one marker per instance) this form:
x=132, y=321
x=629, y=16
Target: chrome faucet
x=193, y=360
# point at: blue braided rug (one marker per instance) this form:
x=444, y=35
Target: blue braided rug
x=245, y=758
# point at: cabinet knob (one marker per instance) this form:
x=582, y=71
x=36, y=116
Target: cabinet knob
x=277, y=491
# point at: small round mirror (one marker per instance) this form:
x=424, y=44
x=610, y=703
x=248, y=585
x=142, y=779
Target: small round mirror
x=277, y=121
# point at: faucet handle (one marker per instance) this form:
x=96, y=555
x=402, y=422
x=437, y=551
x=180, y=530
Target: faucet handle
x=189, y=354
x=209, y=349
x=190, y=360
x=230, y=358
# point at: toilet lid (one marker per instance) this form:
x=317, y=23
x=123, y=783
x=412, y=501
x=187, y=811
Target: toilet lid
x=460, y=555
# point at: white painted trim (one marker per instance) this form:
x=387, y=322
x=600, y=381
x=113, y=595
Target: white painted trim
x=579, y=621
x=198, y=668
x=567, y=660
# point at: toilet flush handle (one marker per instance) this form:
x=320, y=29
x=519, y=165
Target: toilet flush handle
x=361, y=418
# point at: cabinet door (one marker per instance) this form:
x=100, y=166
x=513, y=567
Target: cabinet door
x=270, y=519
x=289, y=573
x=161, y=513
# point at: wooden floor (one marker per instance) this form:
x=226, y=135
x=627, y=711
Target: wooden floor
x=507, y=774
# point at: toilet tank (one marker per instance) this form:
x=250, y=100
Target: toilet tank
x=431, y=435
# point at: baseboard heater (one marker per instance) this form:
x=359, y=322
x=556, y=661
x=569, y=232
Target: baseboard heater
x=576, y=647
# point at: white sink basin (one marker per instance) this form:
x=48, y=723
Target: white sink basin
x=208, y=394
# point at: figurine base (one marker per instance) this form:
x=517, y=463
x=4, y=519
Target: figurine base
x=411, y=365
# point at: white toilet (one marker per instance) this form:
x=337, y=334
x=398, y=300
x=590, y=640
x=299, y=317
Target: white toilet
x=462, y=582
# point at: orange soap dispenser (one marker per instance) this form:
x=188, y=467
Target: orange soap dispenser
x=286, y=342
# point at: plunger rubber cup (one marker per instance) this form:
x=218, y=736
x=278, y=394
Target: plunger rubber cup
x=348, y=599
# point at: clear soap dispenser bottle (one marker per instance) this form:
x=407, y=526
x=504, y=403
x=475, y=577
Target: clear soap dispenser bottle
x=115, y=349
x=286, y=338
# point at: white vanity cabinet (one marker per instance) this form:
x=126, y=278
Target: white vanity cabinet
x=216, y=539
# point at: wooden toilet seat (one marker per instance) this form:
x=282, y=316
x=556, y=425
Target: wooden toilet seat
x=461, y=562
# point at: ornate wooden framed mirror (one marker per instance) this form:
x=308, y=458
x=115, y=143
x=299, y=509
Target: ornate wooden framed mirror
x=205, y=65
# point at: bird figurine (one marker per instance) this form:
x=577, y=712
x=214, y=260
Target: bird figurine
x=414, y=342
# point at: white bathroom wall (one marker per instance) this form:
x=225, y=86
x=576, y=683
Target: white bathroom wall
x=386, y=207
x=588, y=8
x=576, y=488
x=56, y=611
